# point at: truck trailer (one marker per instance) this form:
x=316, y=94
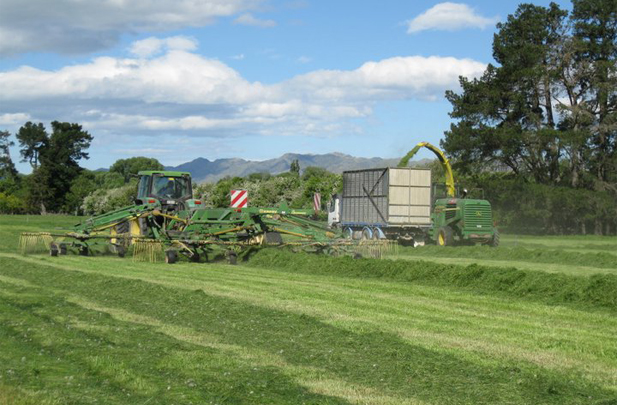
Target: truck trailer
x=386, y=203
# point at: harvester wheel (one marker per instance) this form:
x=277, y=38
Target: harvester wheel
x=195, y=258
x=53, y=250
x=83, y=250
x=120, y=250
x=171, y=256
x=62, y=249
x=495, y=241
x=445, y=237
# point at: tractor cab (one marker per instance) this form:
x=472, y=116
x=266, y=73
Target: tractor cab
x=173, y=190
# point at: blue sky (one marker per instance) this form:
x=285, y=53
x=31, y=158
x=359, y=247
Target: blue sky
x=181, y=79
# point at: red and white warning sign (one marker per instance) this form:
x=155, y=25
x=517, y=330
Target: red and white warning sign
x=239, y=199
x=317, y=202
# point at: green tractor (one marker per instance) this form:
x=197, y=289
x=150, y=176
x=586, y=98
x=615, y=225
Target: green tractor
x=457, y=220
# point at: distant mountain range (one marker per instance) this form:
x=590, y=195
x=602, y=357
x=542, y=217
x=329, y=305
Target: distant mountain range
x=204, y=170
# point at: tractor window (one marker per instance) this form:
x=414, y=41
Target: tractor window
x=171, y=187
x=142, y=190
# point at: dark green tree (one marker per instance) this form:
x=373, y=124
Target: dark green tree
x=7, y=167
x=32, y=139
x=131, y=166
x=595, y=40
x=506, y=117
x=548, y=109
x=59, y=166
x=295, y=167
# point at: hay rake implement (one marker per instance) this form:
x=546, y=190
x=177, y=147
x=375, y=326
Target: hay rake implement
x=166, y=226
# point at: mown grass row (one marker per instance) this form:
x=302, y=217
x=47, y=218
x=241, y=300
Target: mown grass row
x=533, y=255
x=597, y=291
x=90, y=335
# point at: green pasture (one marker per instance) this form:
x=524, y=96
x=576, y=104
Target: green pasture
x=284, y=328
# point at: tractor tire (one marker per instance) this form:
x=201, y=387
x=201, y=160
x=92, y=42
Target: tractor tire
x=273, y=238
x=495, y=241
x=83, y=251
x=63, y=249
x=445, y=237
x=123, y=227
x=171, y=256
x=120, y=250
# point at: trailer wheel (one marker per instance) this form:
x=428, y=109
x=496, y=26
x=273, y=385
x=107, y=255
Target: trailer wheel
x=445, y=236
x=495, y=241
x=171, y=256
x=367, y=234
x=375, y=233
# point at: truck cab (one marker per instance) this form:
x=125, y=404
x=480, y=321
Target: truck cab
x=334, y=211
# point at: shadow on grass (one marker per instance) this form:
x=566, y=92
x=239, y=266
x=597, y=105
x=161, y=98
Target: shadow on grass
x=379, y=361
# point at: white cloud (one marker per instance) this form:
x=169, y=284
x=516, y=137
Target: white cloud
x=179, y=91
x=152, y=46
x=304, y=59
x=249, y=19
x=71, y=26
x=449, y=17
x=14, y=119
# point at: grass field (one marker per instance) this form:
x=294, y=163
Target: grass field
x=518, y=326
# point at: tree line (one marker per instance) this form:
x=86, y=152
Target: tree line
x=538, y=130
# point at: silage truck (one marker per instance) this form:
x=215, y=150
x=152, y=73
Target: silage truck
x=400, y=204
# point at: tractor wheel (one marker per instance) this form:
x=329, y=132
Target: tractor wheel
x=445, y=237
x=273, y=238
x=53, y=250
x=62, y=249
x=83, y=251
x=123, y=227
x=120, y=250
x=495, y=241
x=171, y=256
